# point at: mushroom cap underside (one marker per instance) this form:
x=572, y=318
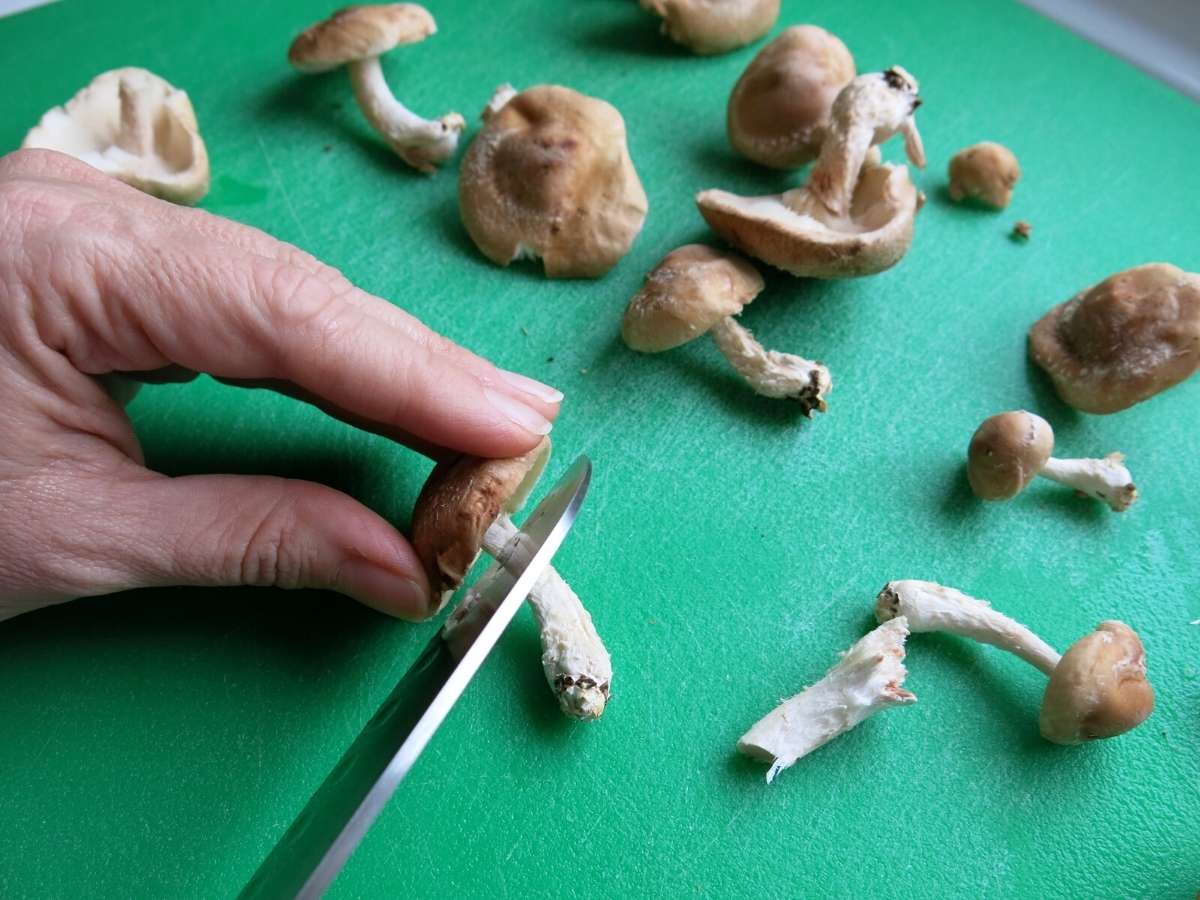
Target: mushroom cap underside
x=359, y=32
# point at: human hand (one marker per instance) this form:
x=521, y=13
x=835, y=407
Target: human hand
x=98, y=278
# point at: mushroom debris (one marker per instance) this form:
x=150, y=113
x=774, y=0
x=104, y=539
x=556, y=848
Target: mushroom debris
x=778, y=111
x=1010, y=449
x=854, y=216
x=549, y=177
x=868, y=678
x=1097, y=689
x=463, y=508
x=696, y=290
x=1122, y=341
x=132, y=125
x=355, y=37
x=708, y=27
x=986, y=172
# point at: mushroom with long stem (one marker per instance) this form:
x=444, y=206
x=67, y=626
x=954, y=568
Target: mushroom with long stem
x=1097, y=689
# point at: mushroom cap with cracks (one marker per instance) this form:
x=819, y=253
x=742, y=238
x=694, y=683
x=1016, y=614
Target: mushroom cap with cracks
x=549, y=175
x=131, y=124
x=708, y=27
x=1006, y=453
x=359, y=32
x=1099, y=688
x=779, y=108
x=460, y=499
x=686, y=294
x=985, y=171
x=1122, y=341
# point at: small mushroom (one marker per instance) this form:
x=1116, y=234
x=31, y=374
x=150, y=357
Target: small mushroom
x=132, y=125
x=463, y=508
x=854, y=216
x=549, y=176
x=779, y=109
x=986, y=171
x=1097, y=689
x=696, y=290
x=708, y=27
x=1123, y=340
x=1010, y=449
x=355, y=37
x=868, y=678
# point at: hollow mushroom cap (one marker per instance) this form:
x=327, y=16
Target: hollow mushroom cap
x=1122, y=341
x=359, y=32
x=779, y=108
x=1006, y=453
x=986, y=171
x=690, y=290
x=708, y=27
x=1099, y=688
x=549, y=175
x=460, y=499
x=96, y=126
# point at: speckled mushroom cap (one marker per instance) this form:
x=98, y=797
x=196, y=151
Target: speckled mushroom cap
x=1122, y=341
x=708, y=27
x=1006, y=453
x=549, y=176
x=986, y=171
x=779, y=108
x=1099, y=687
x=460, y=499
x=690, y=290
x=359, y=32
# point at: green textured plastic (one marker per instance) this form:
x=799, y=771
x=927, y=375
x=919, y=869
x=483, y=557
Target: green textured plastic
x=159, y=743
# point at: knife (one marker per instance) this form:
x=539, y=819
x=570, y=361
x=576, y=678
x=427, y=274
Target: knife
x=329, y=828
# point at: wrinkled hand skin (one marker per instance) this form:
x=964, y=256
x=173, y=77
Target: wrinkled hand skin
x=97, y=278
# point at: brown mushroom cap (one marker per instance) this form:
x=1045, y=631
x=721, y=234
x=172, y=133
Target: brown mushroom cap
x=707, y=27
x=690, y=290
x=359, y=32
x=1098, y=689
x=549, y=175
x=780, y=106
x=460, y=499
x=986, y=171
x=1123, y=340
x=1006, y=453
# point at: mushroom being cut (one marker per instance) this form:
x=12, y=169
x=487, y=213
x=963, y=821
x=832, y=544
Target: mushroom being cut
x=1098, y=688
x=549, y=177
x=867, y=679
x=464, y=508
x=708, y=27
x=854, y=216
x=132, y=125
x=355, y=37
x=779, y=109
x=986, y=172
x=1122, y=341
x=696, y=290
x=1010, y=449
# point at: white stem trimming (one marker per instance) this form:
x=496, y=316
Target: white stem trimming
x=868, y=678
x=769, y=372
x=931, y=607
x=1103, y=479
x=500, y=98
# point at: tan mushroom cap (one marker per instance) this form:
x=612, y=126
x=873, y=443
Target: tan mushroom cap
x=986, y=171
x=1099, y=688
x=707, y=27
x=549, y=176
x=133, y=125
x=460, y=499
x=779, y=108
x=690, y=290
x=359, y=32
x=1123, y=340
x=1006, y=453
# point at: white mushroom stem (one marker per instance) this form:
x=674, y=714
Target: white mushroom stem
x=136, y=136
x=1103, y=479
x=868, y=678
x=500, y=98
x=931, y=607
x=769, y=372
x=422, y=143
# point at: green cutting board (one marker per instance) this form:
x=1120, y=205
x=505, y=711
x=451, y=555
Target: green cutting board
x=158, y=743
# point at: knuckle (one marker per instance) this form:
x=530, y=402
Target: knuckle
x=275, y=552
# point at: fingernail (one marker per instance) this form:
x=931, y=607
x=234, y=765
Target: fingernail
x=516, y=411
x=526, y=385
x=383, y=589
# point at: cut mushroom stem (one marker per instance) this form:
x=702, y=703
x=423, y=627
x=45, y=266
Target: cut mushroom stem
x=868, y=678
x=770, y=372
x=1103, y=479
x=137, y=119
